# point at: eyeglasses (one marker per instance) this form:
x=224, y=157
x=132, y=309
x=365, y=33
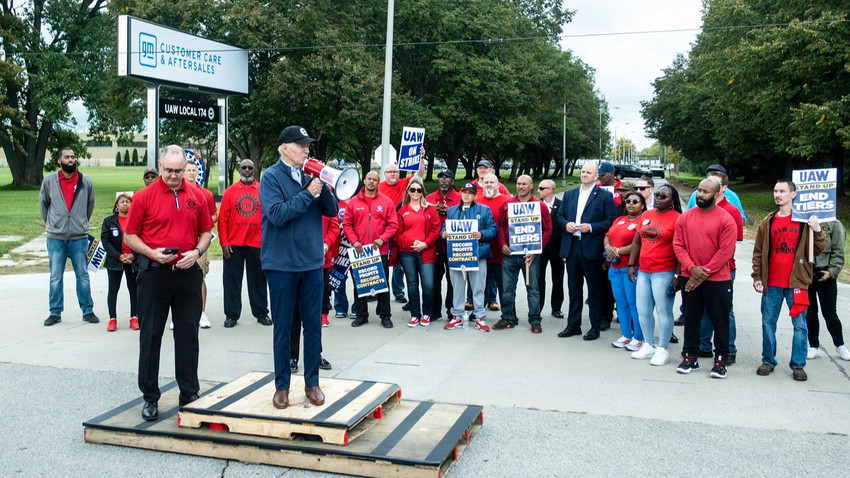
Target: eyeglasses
x=249, y=168
x=541, y=188
x=150, y=176
x=172, y=171
x=641, y=188
x=632, y=201
x=415, y=190
x=661, y=196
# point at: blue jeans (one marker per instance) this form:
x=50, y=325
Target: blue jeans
x=415, y=272
x=706, y=330
x=511, y=268
x=771, y=305
x=341, y=298
x=652, y=297
x=58, y=252
x=625, y=295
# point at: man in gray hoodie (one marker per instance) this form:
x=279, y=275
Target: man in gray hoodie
x=67, y=202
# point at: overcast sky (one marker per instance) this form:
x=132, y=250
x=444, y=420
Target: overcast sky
x=626, y=65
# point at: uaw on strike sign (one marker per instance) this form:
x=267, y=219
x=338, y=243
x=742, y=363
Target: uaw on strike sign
x=816, y=194
x=525, y=228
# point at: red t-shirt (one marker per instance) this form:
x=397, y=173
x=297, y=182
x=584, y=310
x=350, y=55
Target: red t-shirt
x=240, y=223
x=784, y=239
x=495, y=205
x=208, y=197
x=68, y=186
x=621, y=234
x=414, y=228
x=656, y=241
x=162, y=218
x=395, y=192
x=122, y=223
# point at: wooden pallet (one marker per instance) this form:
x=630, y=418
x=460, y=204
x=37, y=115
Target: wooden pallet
x=417, y=439
x=245, y=406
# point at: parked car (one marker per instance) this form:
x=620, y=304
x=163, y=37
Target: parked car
x=630, y=171
x=657, y=171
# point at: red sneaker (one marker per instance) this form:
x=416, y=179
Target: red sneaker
x=112, y=326
x=134, y=323
x=325, y=321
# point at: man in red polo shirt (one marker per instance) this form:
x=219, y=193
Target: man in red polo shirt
x=442, y=199
x=169, y=226
x=191, y=177
x=240, y=236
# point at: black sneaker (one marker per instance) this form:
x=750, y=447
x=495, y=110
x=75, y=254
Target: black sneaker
x=730, y=359
x=705, y=353
x=52, y=320
x=401, y=299
x=91, y=318
x=719, y=369
x=386, y=322
x=503, y=324
x=674, y=339
x=265, y=320
x=358, y=322
x=406, y=306
x=680, y=320
x=688, y=365
x=324, y=364
x=604, y=325
x=230, y=323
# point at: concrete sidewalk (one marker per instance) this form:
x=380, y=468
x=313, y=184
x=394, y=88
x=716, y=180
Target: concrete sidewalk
x=553, y=407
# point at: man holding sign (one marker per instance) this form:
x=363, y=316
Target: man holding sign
x=458, y=219
x=525, y=229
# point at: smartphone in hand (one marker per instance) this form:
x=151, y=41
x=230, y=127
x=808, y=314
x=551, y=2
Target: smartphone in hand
x=170, y=250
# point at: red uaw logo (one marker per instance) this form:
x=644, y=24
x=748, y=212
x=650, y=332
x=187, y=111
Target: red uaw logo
x=654, y=233
x=247, y=205
x=191, y=204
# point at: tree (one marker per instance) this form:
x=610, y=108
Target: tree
x=51, y=53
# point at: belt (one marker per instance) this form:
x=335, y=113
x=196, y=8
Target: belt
x=577, y=238
x=157, y=265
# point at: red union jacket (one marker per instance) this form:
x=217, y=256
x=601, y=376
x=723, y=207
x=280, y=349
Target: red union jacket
x=364, y=225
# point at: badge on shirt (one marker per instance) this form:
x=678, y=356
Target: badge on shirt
x=621, y=223
x=632, y=226
x=645, y=222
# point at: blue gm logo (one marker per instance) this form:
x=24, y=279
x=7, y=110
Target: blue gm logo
x=147, y=47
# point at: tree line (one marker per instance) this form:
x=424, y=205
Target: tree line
x=764, y=90
x=486, y=78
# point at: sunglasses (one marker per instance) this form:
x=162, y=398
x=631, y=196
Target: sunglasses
x=541, y=188
x=632, y=201
x=415, y=190
x=641, y=188
x=661, y=196
x=249, y=168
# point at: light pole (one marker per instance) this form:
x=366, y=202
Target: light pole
x=564, y=151
x=615, y=139
x=388, y=79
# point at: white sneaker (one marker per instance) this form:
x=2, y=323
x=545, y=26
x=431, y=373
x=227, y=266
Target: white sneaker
x=660, y=357
x=814, y=353
x=621, y=342
x=645, y=351
x=633, y=345
x=843, y=352
x=205, y=321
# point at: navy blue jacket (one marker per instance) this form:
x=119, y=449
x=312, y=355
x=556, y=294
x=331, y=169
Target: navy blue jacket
x=292, y=221
x=486, y=225
x=599, y=212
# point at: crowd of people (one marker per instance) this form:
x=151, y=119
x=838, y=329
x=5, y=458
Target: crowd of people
x=631, y=245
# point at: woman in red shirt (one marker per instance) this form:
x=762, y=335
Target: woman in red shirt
x=618, y=245
x=419, y=228
x=119, y=261
x=653, y=265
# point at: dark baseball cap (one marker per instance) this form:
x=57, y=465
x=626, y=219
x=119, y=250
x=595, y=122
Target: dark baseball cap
x=484, y=162
x=149, y=171
x=715, y=167
x=605, y=167
x=469, y=187
x=447, y=173
x=294, y=134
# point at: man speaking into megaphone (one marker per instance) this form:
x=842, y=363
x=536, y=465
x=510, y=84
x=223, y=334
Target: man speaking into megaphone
x=292, y=255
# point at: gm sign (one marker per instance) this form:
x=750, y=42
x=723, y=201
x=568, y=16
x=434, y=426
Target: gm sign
x=147, y=49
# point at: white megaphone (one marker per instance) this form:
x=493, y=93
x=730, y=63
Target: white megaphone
x=344, y=182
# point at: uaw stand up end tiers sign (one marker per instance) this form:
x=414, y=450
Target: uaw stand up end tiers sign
x=816, y=194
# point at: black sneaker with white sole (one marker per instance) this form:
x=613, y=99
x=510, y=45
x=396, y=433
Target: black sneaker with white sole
x=688, y=365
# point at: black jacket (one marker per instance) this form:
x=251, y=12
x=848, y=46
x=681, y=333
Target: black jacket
x=110, y=237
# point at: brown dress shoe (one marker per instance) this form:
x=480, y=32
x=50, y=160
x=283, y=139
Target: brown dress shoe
x=315, y=395
x=281, y=399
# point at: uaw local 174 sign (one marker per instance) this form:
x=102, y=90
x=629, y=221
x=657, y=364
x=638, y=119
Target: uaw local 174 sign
x=816, y=194
x=410, y=153
x=462, y=249
x=163, y=55
x=367, y=272
x=525, y=228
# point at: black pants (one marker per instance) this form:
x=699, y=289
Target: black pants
x=607, y=312
x=161, y=291
x=441, y=269
x=715, y=298
x=383, y=311
x=550, y=256
x=826, y=292
x=115, y=286
x=580, y=269
x=247, y=259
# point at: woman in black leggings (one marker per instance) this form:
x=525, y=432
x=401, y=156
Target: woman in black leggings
x=119, y=261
